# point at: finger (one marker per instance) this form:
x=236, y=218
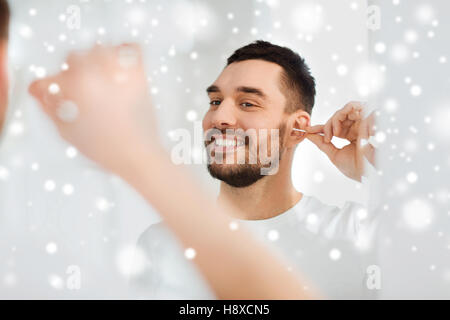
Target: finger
x=315, y=129
x=340, y=116
x=328, y=148
x=367, y=127
x=129, y=55
x=369, y=152
x=371, y=122
x=354, y=105
x=76, y=57
x=337, y=124
x=355, y=115
x=327, y=130
x=40, y=90
x=364, y=130
x=49, y=99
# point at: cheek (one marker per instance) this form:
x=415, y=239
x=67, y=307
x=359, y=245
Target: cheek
x=206, y=122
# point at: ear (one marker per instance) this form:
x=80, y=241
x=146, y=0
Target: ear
x=298, y=120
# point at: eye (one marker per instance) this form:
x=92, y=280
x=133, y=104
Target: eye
x=247, y=104
x=215, y=102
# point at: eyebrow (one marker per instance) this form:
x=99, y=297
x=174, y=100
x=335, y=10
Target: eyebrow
x=256, y=91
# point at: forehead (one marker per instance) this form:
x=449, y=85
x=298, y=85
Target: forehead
x=260, y=74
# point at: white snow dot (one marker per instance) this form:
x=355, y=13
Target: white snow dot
x=335, y=254
x=362, y=213
x=416, y=90
x=67, y=111
x=154, y=90
x=399, y=53
x=53, y=88
x=10, y=279
x=342, y=69
x=193, y=55
x=273, y=235
x=56, y=281
x=4, y=173
x=71, y=152
x=417, y=214
x=380, y=137
x=380, y=48
x=67, y=189
x=391, y=105
x=190, y=253
x=40, y=72
x=103, y=204
x=51, y=248
x=318, y=176
x=411, y=177
x=164, y=69
x=130, y=260
x=25, y=31
x=312, y=219
x=424, y=13
x=410, y=36
x=49, y=185
x=234, y=225
x=191, y=115
x=16, y=128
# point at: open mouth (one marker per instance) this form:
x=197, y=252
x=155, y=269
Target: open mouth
x=221, y=144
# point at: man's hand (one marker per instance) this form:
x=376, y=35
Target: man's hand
x=101, y=104
x=347, y=123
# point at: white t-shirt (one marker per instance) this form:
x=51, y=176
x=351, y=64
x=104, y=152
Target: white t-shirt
x=330, y=246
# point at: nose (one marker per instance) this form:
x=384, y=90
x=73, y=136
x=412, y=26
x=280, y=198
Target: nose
x=224, y=116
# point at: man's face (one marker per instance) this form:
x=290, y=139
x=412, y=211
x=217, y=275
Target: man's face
x=3, y=82
x=246, y=95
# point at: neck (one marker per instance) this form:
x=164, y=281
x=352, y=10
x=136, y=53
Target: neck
x=268, y=197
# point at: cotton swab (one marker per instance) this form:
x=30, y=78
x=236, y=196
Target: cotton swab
x=301, y=130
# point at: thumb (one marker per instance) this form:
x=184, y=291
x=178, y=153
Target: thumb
x=328, y=148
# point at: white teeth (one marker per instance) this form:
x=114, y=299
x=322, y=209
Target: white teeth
x=228, y=143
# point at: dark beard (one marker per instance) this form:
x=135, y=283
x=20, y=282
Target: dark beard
x=242, y=175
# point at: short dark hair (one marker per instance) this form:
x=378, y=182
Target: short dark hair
x=297, y=82
x=4, y=19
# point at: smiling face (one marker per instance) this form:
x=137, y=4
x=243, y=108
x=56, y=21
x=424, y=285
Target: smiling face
x=247, y=96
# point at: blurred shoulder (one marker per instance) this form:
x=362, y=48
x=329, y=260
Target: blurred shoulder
x=334, y=221
x=155, y=235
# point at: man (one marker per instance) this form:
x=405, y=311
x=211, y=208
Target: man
x=114, y=125
x=4, y=22
x=265, y=86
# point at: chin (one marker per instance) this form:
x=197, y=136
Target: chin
x=236, y=175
